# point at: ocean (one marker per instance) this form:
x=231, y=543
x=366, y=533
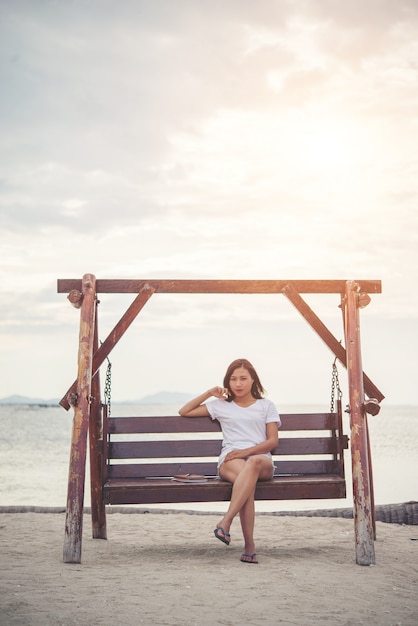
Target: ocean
x=35, y=445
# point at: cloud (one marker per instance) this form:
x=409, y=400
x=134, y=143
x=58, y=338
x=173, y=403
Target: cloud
x=201, y=140
x=99, y=120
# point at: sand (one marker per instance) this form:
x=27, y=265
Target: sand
x=169, y=569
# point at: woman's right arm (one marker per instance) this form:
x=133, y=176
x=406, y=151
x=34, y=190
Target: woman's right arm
x=197, y=406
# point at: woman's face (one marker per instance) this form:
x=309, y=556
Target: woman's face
x=241, y=382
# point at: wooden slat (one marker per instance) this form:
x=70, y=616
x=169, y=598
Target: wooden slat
x=307, y=467
x=218, y=286
x=306, y=445
x=162, y=424
x=145, y=491
x=308, y=421
x=211, y=448
x=164, y=449
x=144, y=470
x=177, y=424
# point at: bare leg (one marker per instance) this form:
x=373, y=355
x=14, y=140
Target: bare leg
x=244, y=476
x=247, y=516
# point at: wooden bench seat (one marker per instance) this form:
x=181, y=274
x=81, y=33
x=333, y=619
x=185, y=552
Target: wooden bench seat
x=142, y=454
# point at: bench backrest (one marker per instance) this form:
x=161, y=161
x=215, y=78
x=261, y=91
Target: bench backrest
x=162, y=446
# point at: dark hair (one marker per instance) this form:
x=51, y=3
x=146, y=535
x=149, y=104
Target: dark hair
x=257, y=388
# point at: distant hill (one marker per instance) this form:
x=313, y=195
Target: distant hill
x=16, y=399
x=166, y=397
x=161, y=397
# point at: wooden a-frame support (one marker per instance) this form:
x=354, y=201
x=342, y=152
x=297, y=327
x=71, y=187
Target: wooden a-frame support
x=84, y=393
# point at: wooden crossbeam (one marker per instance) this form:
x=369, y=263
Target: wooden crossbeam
x=65, y=285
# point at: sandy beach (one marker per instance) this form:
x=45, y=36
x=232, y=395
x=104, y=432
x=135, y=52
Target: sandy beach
x=168, y=568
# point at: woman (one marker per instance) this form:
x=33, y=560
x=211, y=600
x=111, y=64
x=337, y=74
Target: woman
x=249, y=426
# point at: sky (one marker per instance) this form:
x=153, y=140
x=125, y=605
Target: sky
x=226, y=139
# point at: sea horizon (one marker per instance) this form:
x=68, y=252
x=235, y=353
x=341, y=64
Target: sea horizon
x=35, y=447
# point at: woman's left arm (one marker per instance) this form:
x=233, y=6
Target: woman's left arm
x=271, y=442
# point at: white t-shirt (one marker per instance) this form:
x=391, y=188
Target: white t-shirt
x=242, y=427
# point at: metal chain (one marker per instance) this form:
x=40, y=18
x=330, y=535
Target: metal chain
x=335, y=386
x=108, y=387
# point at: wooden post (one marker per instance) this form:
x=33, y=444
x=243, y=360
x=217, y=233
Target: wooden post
x=371, y=481
x=77, y=469
x=363, y=526
x=98, y=511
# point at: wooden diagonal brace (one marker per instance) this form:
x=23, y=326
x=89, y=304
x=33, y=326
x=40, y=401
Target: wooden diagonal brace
x=113, y=337
x=293, y=295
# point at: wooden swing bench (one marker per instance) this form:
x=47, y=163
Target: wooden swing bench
x=133, y=460
x=309, y=460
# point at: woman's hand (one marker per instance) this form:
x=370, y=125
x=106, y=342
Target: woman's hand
x=219, y=392
x=235, y=454
x=197, y=407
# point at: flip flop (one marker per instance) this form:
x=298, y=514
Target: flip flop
x=251, y=559
x=225, y=537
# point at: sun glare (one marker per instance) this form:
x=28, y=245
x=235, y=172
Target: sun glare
x=273, y=156
x=333, y=145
